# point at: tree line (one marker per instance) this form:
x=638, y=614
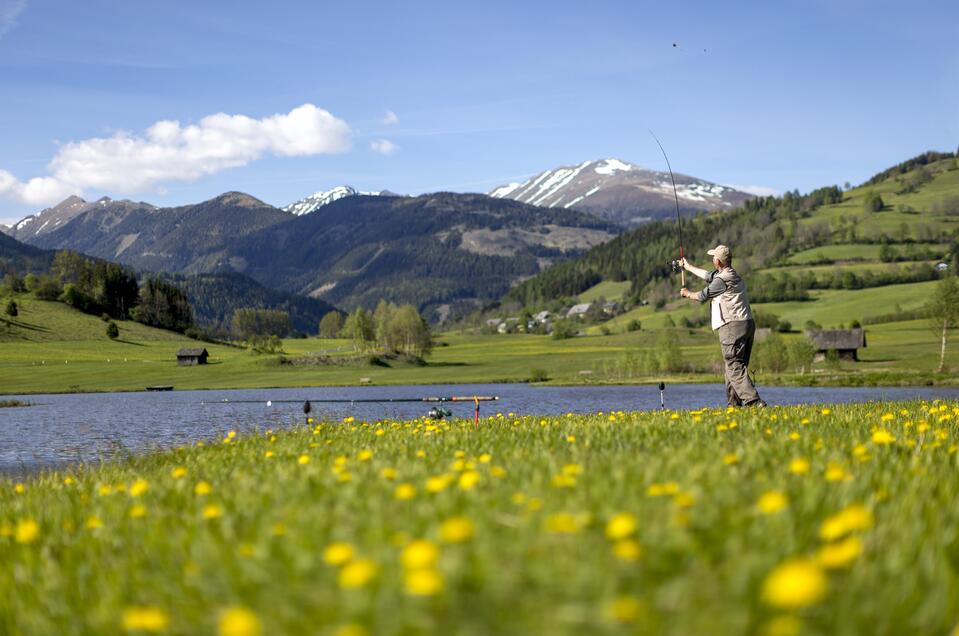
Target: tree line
x=107, y=289
x=389, y=329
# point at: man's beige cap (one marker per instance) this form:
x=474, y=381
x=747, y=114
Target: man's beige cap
x=721, y=252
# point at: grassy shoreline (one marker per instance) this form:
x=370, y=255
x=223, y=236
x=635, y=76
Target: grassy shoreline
x=708, y=521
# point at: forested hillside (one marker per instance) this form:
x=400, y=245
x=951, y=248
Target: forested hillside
x=436, y=251
x=215, y=297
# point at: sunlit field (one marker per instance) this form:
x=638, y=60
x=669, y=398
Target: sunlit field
x=798, y=520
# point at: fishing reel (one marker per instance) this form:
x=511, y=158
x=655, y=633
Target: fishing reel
x=675, y=267
x=438, y=413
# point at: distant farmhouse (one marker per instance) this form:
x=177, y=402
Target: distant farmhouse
x=578, y=311
x=188, y=357
x=845, y=342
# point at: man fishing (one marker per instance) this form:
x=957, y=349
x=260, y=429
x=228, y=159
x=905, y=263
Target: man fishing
x=732, y=318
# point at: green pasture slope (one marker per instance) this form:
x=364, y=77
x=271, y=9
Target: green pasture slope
x=787, y=520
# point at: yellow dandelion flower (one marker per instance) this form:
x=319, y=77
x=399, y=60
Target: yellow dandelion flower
x=882, y=437
x=620, y=526
x=239, y=621
x=419, y=554
x=563, y=481
x=388, y=473
x=138, y=487
x=268, y=454
x=625, y=609
x=826, y=411
x=27, y=531
x=839, y=554
x=365, y=455
x=68, y=481
x=497, y=472
x=456, y=530
x=423, y=582
x=799, y=466
x=835, y=472
x=138, y=512
x=105, y=490
x=438, y=483
x=563, y=523
x=179, y=472
x=468, y=480
x=357, y=574
x=202, y=488
x=731, y=459
x=420, y=454
x=302, y=460
x=338, y=553
x=627, y=550
x=405, y=492
x=851, y=519
x=572, y=470
x=771, y=502
x=485, y=458
x=19, y=489
x=684, y=500
x=212, y=511
x=571, y=439
x=144, y=619
x=794, y=584
x=93, y=523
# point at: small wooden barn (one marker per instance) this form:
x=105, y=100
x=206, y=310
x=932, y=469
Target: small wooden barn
x=188, y=357
x=845, y=342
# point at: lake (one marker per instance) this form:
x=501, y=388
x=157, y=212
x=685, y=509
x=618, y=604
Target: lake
x=66, y=428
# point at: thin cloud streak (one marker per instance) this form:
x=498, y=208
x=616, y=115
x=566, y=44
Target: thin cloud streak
x=9, y=10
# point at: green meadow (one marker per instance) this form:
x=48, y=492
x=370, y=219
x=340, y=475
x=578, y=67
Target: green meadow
x=797, y=520
x=50, y=347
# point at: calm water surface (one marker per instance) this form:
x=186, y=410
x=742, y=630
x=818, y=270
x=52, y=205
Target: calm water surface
x=61, y=429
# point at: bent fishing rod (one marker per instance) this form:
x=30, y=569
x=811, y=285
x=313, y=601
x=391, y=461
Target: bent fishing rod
x=679, y=222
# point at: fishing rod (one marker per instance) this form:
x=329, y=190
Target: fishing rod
x=434, y=413
x=679, y=222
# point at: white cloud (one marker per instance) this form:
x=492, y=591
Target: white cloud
x=390, y=118
x=383, y=146
x=169, y=151
x=9, y=10
x=758, y=190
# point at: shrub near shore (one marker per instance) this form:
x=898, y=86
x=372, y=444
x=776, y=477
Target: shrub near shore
x=782, y=520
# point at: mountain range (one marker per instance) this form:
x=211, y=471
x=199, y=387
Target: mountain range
x=621, y=192
x=444, y=252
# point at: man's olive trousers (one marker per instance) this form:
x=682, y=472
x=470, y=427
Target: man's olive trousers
x=736, y=339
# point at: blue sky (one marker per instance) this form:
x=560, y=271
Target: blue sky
x=780, y=95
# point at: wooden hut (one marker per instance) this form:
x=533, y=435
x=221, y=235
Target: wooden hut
x=845, y=342
x=188, y=357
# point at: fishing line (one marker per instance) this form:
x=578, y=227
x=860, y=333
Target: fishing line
x=679, y=221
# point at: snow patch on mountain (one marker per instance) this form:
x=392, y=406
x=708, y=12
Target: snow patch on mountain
x=612, y=166
x=620, y=191
x=318, y=199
